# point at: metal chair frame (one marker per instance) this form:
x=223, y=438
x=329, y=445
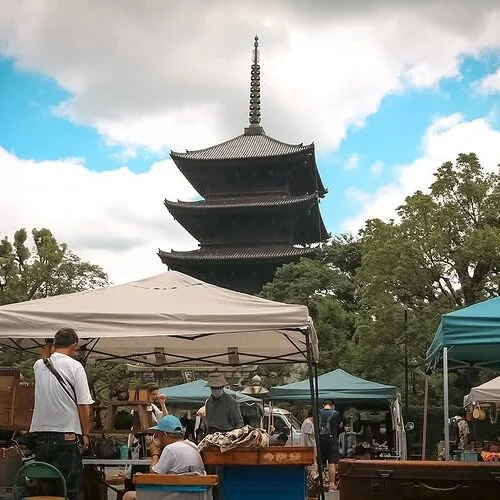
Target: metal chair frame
x=37, y=470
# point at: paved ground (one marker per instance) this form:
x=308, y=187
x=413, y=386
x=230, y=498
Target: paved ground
x=332, y=495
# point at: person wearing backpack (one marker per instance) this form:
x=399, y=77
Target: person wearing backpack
x=329, y=422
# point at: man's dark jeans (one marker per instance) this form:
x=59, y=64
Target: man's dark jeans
x=62, y=450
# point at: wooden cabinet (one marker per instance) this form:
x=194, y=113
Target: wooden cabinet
x=16, y=401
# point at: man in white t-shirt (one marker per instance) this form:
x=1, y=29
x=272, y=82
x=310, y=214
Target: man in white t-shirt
x=61, y=417
x=171, y=453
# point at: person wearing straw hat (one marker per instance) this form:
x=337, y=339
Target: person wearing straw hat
x=222, y=410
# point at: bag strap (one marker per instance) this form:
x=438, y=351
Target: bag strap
x=63, y=382
x=325, y=422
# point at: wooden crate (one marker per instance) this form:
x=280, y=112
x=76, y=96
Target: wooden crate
x=16, y=401
x=267, y=455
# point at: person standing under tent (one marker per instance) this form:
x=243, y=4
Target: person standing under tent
x=329, y=422
x=222, y=410
x=157, y=401
x=61, y=417
x=307, y=437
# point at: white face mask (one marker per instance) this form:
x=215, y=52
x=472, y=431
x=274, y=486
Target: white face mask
x=383, y=430
x=217, y=393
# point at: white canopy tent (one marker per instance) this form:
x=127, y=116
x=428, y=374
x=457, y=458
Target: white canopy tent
x=489, y=392
x=169, y=319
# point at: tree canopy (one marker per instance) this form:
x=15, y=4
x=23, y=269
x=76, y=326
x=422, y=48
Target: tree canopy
x=45, y=268
x=377, y=298
x=41, y=268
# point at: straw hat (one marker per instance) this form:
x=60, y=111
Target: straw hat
x=216, y=379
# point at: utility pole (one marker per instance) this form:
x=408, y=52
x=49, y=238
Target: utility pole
x=406, y=361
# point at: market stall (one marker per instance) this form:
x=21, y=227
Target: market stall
x=196, y=393
x=483, y=402
x=466, y=337
x=367, y=403
x=170, y=319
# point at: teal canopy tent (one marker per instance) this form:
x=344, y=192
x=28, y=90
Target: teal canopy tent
x=337, y=385
x=196, y=393
x=472, y=336
x=466, y=337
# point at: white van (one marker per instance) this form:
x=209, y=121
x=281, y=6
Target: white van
x=283, y=422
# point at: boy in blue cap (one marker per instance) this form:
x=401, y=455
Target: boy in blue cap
x=171, y=453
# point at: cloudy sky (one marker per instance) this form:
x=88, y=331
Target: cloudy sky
x=94, y=94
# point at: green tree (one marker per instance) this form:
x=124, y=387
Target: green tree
x=44, y=268
x=48, y=268
x=443, y=253
x=326, y=285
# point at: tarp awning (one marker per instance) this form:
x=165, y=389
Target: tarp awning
x=169, y=319
x=337, y=385
x=197, y=392
x=472, y=335
x=489, y=392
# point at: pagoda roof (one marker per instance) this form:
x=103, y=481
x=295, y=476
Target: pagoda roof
x=245, y=146
x=245, y=202
x=228, y=254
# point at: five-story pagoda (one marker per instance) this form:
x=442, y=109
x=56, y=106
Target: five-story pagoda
x=260, y=206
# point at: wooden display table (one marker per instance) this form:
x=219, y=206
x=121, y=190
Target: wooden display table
x=271, y=472
x=268, y=455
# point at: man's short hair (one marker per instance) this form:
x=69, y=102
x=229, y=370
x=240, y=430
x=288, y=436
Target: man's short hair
x=310, y=412
x=65, y=337
x=328, y=402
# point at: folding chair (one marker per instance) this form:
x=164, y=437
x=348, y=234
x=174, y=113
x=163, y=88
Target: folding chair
x=38, y=470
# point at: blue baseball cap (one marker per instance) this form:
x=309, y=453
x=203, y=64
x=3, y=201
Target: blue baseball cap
x=169, y=424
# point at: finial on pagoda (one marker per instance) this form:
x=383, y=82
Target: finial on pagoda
x=254, y=114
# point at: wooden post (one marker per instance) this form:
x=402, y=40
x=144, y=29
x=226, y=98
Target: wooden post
x=426, y=403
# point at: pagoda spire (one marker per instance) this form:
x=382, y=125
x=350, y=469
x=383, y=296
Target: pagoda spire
x=254, y=127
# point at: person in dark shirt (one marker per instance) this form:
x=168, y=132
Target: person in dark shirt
x=329, y=422
x=222, y=410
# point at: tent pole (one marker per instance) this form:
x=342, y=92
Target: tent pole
x=446, y=405
x=426, y=403
x=314, y=404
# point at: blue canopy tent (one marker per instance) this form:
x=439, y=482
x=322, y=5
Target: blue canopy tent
x=196, y=393
x=471, y=335
x=338, y=385
x=465, y=337
x=346, y=390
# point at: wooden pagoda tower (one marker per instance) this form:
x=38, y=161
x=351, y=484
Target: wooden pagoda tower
x=260, y=206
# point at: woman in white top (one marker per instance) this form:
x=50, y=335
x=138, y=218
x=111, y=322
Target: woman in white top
x=157, y=401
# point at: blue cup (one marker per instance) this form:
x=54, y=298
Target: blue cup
x=123, y=452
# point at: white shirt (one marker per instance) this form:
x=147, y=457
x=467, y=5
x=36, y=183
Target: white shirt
x=181, y=457
x=156, y=413
x=54, y=410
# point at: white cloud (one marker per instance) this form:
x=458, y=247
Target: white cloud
x=115, y=218
x=175, y=74
x=377, y=167
x=489, y=84
x=445, y=138
x=352, y=162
